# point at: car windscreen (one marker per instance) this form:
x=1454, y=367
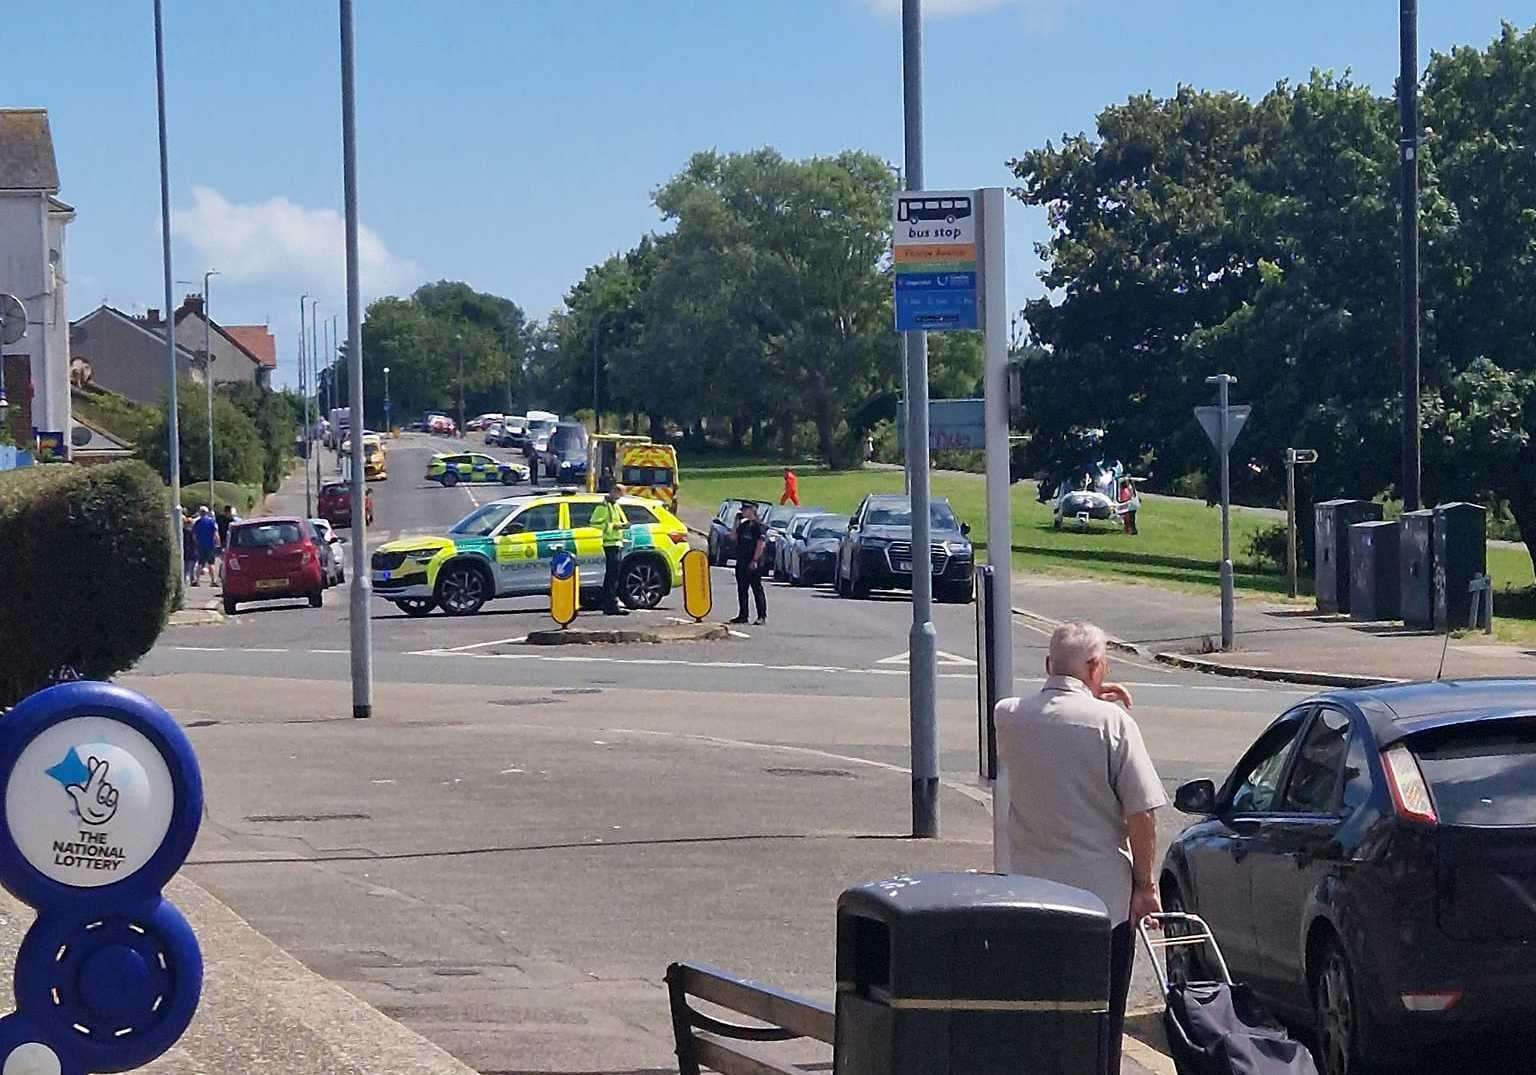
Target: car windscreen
x=939, y=516
x=334, y=489
x=483, y=520
x=830, y=527
x=265, y=535
x=540, y=425
x=568, y=441
x=1482, y=774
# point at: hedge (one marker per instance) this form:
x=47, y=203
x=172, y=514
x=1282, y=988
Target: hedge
x=243, y=497
x=85, y=567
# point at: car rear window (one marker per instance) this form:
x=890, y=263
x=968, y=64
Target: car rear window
x=1482, y=775
x=646, y=476
x=639, y=516
x=265, y=535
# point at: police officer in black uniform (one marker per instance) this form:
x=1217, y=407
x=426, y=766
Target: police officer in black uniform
x=751, y=551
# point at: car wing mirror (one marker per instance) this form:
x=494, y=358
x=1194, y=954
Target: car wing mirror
x=965, y=528
x=1196, y=797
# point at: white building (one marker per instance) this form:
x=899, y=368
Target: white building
x=32, y=260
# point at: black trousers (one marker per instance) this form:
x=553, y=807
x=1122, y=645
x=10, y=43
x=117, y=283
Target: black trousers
x=747, y=579
x=1122, y=956
x=611, y=555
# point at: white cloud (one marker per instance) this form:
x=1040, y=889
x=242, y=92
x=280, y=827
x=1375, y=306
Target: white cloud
x=939, y=8
x=276, y=240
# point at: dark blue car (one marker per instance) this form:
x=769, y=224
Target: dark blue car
x=1369, y=866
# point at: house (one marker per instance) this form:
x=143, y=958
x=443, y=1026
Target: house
x=32, y=267
x=259, y=341
x=90, y=444
x=126, y=355
x=233, y=361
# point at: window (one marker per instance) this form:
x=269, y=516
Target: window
x=639, y=516
x=455, y=460
x=1482, y=774
x=482, y=521
x=581, y=512
x=1258, y=786
x=653, y=476
x=536, y=520
x=1357, y=778
x=482, y=461
x=1314, y=781
x=265, y=535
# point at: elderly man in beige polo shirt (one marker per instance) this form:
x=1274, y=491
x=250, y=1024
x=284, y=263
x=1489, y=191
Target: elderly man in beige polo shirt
x=1082, y=795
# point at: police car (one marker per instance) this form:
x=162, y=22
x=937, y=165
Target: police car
x=505, y=549
x=450, y=469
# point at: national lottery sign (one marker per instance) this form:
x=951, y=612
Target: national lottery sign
x=934, y=254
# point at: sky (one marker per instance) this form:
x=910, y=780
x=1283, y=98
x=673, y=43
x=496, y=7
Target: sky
x=513, y=144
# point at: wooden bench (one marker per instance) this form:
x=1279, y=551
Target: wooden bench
x=732, y=1048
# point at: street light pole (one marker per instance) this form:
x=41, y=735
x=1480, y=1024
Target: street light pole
x=362, y=583
x=922, y=679
x=387, y=426
x=172, y=417
x=597, y=415
x=208, y=376
x=304, y=389
x=1408, y=108
x=458, y=340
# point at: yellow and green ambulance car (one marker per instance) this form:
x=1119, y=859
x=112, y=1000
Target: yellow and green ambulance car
x=504, y=549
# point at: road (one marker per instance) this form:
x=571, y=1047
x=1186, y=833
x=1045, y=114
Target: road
x=506, y=857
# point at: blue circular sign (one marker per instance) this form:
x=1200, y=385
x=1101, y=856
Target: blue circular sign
x=100, y=800
x=562, y=565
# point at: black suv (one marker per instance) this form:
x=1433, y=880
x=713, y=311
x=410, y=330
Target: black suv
x=565, y=457
x=876, y=554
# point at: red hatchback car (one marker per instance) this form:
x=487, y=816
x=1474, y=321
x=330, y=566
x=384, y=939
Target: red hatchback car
x=335, y=505
x=271, y=558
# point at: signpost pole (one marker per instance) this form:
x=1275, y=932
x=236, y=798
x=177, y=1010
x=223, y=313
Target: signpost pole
x=1223, y=382
x=990, y=203
x=1290, y=522
x=922, y=684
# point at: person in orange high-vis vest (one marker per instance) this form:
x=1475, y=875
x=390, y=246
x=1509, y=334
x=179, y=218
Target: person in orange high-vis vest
x=791, y=489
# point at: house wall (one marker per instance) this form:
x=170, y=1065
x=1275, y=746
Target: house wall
x=127, y=359
x=230, y=364
x=54, y=399
x=24, y=273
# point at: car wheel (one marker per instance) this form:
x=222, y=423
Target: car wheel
x=714, y=559
x=450, y=479
x=416, y=606
x=1335, y=1015
x=508, y=478
x=642, y=583
x=229, y=606
x=317, y=599
x=839, y=585
x=462, y=589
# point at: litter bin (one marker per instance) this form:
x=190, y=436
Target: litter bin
x=1416, y=568
x=1332, y=519
x=1373, y=581
x=970, y=974
x=1461, y=552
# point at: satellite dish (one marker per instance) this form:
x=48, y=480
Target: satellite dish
x=13, y=319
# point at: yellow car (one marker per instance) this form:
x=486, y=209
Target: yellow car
x=375, y=462
x=504, y=549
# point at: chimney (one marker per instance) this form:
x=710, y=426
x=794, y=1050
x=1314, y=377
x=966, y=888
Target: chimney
x=152, y=317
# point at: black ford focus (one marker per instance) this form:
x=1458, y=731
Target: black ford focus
x=1369, y=866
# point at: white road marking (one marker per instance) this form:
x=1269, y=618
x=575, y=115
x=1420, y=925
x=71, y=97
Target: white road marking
x=199, y=649
x=263, y=649
x=330, y=651
x=904, y=658
x=477, y=645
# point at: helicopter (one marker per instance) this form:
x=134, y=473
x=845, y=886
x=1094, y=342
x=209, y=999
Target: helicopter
x=1094, y=489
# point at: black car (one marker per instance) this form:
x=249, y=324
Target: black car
x=565, y=456
x=776, y=536
x=1369, y=867
x=812, y=555
x=722, y=529
x=876, y=552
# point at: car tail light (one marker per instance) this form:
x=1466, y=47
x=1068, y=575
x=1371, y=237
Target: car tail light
x=1410, y=794
x=1432, y=1002
x=231, y=562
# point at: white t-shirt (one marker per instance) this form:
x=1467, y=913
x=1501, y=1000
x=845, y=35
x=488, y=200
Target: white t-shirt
x=1076, y=768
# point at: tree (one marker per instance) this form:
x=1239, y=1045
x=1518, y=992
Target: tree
x=237, y=448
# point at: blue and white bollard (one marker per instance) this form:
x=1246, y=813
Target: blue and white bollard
x=100, y=800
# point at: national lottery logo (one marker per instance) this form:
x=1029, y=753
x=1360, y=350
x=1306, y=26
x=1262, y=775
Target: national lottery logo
x=85, y=775
x=94, y=797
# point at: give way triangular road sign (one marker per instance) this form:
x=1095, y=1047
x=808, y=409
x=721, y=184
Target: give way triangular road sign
x=1210, y=421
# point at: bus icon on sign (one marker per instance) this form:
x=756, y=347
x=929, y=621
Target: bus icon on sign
x=948, y=210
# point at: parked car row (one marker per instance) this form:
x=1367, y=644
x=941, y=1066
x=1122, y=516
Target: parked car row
x=869, y=550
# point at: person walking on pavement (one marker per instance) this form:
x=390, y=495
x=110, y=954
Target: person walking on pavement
x=609, y=518
x=791, y=494
x=751, y=541
x=1083, y=795
x=205, y=532
x=188, y=548
x=226, y=519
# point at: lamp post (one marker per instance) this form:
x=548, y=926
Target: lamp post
x=387, y=426
x=458, y=338
x=172, y=418
x=1408, y=112
x=309, y=444
x=597, y=415
x=208, y=375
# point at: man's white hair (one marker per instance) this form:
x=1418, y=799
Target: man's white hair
x=1073, y=645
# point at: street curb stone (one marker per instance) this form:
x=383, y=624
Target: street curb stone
x=1274, y=675
x=1046, y=621
x=687, y=632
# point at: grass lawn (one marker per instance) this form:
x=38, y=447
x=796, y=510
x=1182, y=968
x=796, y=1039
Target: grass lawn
x=1178, y=547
